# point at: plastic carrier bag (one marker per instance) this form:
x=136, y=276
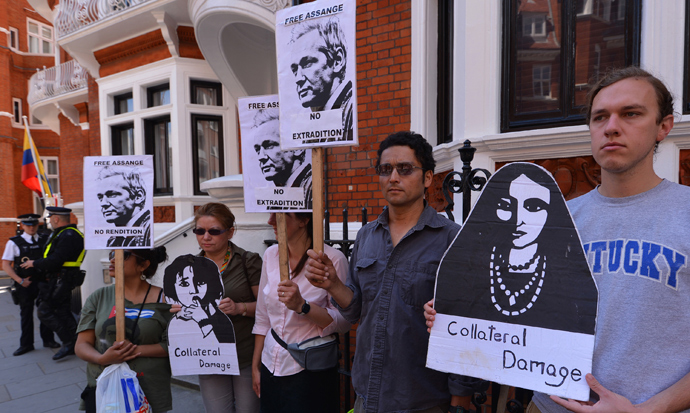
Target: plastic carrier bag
x=118, y=391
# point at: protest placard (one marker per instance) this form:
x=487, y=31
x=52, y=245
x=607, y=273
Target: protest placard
x=201, y=338
x=275, y=180
x=515, y=297
x=316, y=55
x=118, y=202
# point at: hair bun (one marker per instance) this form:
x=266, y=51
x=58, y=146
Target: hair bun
x=160, y=253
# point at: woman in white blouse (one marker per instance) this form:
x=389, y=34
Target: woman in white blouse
x=296, y=311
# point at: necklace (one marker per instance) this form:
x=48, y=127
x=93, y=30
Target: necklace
x=498, y=287
x=226, y=261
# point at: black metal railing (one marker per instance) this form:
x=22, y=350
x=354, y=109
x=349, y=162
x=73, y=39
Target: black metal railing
x=467, y=181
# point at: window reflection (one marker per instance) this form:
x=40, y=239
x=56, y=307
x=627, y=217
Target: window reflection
x=557, y=50
x=208, y=147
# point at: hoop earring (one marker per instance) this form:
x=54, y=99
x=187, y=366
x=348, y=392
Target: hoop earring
x=143, y=277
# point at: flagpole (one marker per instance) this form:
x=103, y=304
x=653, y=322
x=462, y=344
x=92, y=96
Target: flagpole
x=36, y=159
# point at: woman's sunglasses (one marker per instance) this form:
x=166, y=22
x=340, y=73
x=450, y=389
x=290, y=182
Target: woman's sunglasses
x=125, y=255
x=212, y=231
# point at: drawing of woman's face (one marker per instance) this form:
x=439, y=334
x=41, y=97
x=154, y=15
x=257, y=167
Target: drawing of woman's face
x=526, y=207
x=188, y=289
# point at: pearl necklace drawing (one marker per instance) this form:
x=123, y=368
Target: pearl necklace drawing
x=498, y=286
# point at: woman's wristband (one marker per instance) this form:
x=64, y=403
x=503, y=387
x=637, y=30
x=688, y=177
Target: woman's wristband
x=245, y=310
x=22, y=283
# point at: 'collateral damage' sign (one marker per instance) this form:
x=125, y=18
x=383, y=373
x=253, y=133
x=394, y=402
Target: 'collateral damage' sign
x=316, y=54
x=274, y=179
x=118, y=202
x=515, y=298
x=201, y=338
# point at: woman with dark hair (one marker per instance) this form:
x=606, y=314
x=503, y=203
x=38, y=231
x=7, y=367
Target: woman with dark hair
x=146, y=321
x=240, y=270
x=518, y=258
x=296, y=311
x=193, y=282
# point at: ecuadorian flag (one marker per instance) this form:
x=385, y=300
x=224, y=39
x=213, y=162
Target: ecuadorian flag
x=33, y=175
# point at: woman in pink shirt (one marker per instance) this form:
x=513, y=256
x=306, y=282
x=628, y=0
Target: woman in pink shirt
x=296, y=311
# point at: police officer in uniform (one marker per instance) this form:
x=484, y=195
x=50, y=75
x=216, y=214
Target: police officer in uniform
x=20, y=248
x=62, y=257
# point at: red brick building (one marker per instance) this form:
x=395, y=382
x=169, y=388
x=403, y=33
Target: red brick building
x=27, y=44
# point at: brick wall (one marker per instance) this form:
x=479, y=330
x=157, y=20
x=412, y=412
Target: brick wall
x=383, y=95
x=94, y=118
x=74, y=146
x=15, y=71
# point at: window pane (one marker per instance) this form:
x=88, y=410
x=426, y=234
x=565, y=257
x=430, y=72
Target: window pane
x=555, y=50
x=47, y=49
x=158, y=95
x=47, y=32
x=123, y=140
x=14, y=38
x=600, y=44
x=17, y=112
x=123, y=103
x=51, y=167
x=538, y=59
x=208, y=150
x=33, y=28
x=54, y=184
x=127, y=141
x=33, y=44
x=206, y=96
x=158, y=145
x=161, y=97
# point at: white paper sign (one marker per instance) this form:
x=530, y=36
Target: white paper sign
x=201, y=338
x=274, y=179
x=515, y=297
x=118, y=202
x=316, y=54
x=515, y=355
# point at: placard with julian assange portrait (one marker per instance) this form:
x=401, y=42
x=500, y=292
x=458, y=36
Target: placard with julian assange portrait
x=317, y=74
x=118, y=202
x=275, y=180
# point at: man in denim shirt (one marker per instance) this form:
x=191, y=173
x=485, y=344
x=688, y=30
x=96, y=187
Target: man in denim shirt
x=392, y=274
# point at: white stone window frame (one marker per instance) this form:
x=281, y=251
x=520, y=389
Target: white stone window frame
x=17, y=113
x=40, y=37
x=14, y=38
x=177, y=72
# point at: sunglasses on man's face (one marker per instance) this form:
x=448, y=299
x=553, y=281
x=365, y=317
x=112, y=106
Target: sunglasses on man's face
x=403, y=168
x=212, y=231
x=125, y=255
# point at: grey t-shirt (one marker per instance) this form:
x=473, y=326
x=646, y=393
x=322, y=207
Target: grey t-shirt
x=638, y=249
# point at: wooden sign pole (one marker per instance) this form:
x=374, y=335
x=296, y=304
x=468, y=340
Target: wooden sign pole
x=317, y=195
x=119, y=296
x=283, y=259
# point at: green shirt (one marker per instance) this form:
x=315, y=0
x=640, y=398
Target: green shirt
x=239, y=291
x=153, y=373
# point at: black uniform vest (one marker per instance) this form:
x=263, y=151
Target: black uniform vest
x=27, y=252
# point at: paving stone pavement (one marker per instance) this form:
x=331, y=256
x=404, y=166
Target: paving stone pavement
x=35, y=383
